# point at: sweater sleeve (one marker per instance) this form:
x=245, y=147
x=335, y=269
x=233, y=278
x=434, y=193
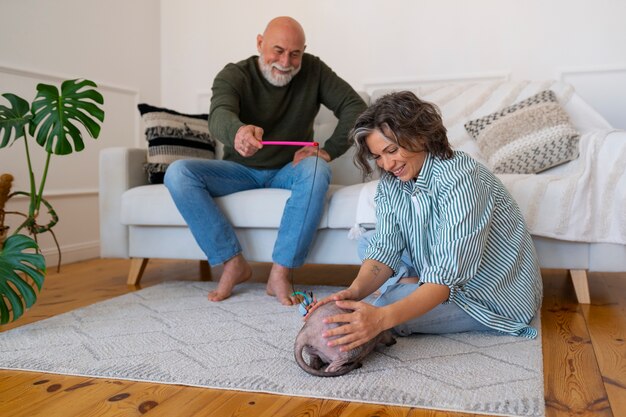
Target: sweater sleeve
x=224, y=114
x=346, y=105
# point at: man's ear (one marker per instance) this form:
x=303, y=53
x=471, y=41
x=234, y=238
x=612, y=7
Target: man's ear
x=259, y=43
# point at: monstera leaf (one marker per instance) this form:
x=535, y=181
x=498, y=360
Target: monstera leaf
x=13, y=119
x=14, y=258
x=56, y=115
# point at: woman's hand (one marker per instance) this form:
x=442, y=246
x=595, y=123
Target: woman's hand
x=360, y=326
x=347, y=294
x=371, y=276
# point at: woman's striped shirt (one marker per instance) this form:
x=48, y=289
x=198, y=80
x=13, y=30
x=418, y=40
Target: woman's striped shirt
x=462, y=228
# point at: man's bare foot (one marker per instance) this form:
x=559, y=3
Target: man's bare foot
x=236, y=271
x=278, y=285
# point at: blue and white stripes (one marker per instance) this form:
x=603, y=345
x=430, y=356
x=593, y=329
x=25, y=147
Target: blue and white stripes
x=462, y=229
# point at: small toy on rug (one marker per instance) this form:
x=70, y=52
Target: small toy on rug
x=336, y=363
x=305, y=300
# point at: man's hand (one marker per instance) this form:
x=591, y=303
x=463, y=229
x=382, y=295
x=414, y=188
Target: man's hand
x=309, y=151
x=248, y=140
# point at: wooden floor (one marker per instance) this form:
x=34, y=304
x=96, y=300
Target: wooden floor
x=584, y=352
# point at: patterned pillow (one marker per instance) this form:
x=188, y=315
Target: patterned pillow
x=528, y=137
x=172, y=135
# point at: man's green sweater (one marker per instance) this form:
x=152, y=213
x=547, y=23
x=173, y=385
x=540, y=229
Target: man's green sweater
x=242, y=96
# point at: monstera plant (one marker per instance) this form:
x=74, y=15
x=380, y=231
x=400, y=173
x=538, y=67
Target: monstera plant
x=54, y=120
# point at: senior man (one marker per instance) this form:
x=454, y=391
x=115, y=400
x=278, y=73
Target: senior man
x=274, y=96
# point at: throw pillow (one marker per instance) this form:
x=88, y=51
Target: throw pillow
x=527, y=137
x=172, y=135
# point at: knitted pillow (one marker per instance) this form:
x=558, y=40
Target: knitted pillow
x=528, y=137
x=172, y=135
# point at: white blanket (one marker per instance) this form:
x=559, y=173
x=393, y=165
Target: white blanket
x=583, y=200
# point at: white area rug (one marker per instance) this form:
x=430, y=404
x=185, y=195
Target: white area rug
x=170, y=333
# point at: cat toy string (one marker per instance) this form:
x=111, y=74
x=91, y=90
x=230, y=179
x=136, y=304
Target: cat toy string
x=307, y=298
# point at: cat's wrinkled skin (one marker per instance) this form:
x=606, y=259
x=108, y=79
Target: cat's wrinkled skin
x=326, y=360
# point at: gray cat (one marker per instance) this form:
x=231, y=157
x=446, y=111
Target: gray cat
x=336, y=363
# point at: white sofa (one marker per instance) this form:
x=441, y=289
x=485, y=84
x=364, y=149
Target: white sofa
x=140, y=221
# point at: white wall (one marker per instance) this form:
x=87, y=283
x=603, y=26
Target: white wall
x=115, y=43
x=373, y=42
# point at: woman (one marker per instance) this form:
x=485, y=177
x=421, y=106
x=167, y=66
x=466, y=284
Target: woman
x=460, y=230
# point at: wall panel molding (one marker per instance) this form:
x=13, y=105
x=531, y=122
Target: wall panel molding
x=603, y=87
x=58, y=78
x=563, y=73
x=411, y=82
x=86, y=192
x=30, y=73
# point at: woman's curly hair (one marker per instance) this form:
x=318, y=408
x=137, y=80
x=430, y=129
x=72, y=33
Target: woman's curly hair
x=405, y=120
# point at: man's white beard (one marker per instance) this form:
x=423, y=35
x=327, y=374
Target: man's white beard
x=278, y=80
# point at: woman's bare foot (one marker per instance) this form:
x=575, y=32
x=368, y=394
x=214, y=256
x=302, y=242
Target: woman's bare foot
x=236, y=271
x=278, y=285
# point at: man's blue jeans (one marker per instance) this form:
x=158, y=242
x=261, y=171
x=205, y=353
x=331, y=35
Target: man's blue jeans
x=194, y=184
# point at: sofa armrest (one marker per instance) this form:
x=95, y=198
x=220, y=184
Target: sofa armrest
x=120, y=169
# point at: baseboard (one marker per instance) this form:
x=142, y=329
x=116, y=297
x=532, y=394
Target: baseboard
x=72, y=253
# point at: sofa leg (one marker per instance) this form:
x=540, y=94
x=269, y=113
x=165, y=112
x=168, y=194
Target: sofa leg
x=581, y=286
x=205, y=271
x=137, y=267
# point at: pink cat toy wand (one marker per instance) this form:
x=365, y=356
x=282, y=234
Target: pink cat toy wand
x=288, y=143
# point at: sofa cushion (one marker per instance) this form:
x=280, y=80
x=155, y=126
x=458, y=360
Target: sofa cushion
x=342, y=207
x=527, y=137
x=152, y=205
x=172, y=135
